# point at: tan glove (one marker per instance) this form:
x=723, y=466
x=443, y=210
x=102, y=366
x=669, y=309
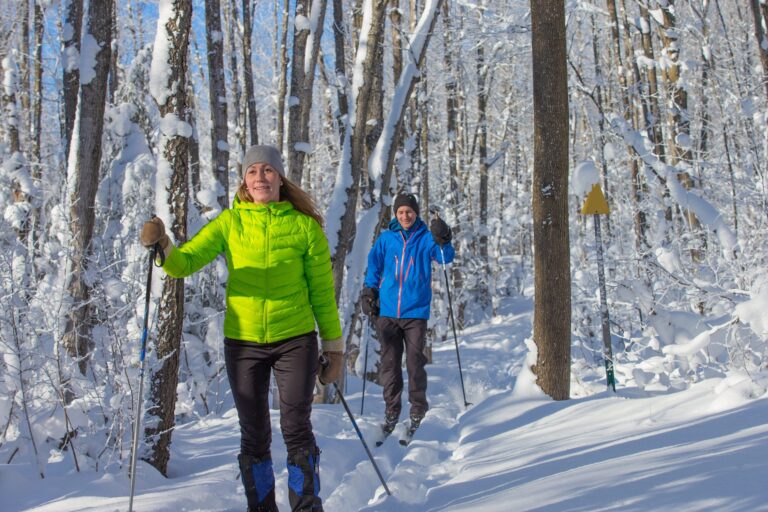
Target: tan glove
x=331, y=371
x=153, y=232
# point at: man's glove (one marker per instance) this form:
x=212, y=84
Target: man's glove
x=331, y=371
x=441, y=233
x=370, y=298
x=153, y=232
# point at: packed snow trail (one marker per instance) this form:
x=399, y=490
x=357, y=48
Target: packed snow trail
x=703, y=448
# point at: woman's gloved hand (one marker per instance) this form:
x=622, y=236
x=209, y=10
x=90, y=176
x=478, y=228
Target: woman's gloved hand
x=330, y=371
x=153, y=232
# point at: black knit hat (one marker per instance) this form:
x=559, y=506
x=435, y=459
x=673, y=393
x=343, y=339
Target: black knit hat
x=406, y=200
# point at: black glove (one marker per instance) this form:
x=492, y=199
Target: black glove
x=370, y=298
x=441, y=233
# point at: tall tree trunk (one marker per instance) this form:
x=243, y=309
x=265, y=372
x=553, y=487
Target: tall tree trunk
x=453, y=133
x=217, y=99
x=308, y=30
x=114, y=57
x=361, y=92
x=83, y=174
x=234, y=69
x=73, y=23
x=282, y=86
x=24, y=64
x=761, y=24
x=339, y=33
x=640, y=224
x=552, y=313
x=10, y=103
x=173, y=33
x=37, y=91
x=482, y=154
x=678, y=117
x=248, y=74
x=653, y=118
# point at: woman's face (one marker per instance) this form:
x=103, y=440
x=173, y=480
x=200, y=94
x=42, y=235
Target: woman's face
x=406, y=216
x=263, y=183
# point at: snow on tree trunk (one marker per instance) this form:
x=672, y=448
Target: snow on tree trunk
x=250, y=100
x=73, y=23
x=217, y=99
x=83, y=175
x=552, y=307
x=308, y=29
x=168, y=87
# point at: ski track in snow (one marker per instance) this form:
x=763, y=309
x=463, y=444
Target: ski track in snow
x=705, y=448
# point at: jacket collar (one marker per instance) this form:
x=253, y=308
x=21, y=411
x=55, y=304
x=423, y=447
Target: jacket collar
x=275, y=208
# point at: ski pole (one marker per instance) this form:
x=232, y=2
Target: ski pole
x=153, y=252
x=453, y=325
x=324, y=363
x=365, y=362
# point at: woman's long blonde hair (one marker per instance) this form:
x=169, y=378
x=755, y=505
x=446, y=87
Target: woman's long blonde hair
x=292, y=193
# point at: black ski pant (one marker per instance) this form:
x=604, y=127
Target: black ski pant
x=294, y=362
x=398, y=335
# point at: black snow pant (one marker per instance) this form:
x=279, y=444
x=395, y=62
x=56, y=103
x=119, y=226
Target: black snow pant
x=398, y=335
x=294, y=362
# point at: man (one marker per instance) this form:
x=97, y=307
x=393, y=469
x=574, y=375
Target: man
x=398, y=290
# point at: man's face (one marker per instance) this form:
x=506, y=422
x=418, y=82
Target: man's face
x=406, y=216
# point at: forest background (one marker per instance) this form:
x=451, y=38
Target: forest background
x=113, y=111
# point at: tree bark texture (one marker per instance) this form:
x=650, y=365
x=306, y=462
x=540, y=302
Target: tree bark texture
x=248, y=74
x=348, y=229
x=282, y=86
x=217, y=98
x=552, y=306
x=73, y=23
x=84, y=161
x=761, y=22
x=175, y=150
x=302, y=81
x=339, y=33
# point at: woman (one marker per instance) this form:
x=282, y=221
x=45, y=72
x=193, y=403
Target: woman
x=280, y=284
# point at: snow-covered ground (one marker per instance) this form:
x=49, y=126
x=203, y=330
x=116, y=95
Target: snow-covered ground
x=703, y=448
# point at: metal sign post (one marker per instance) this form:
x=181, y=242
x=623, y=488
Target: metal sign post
x=596, y=205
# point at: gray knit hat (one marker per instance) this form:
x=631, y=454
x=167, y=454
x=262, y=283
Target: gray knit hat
x=406, y=200
x=263, y=154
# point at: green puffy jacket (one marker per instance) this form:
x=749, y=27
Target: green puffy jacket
x=280, y=277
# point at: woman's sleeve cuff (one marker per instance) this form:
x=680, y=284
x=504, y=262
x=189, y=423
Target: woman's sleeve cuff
x=336, y=345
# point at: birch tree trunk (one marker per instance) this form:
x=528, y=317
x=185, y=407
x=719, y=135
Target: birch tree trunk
x=217, y=99
x=83, y=177
x=234, y=69
x=307, y=32
x=73, y=23
x=248, y=74
x=552, y=307
x=172, y=34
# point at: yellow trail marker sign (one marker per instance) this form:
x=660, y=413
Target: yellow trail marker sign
x=595, y=204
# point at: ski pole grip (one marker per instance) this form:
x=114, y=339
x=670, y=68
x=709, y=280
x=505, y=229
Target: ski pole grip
x=158, y=254
x=323, y=361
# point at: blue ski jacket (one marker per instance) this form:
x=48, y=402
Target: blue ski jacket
x=400, y=268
